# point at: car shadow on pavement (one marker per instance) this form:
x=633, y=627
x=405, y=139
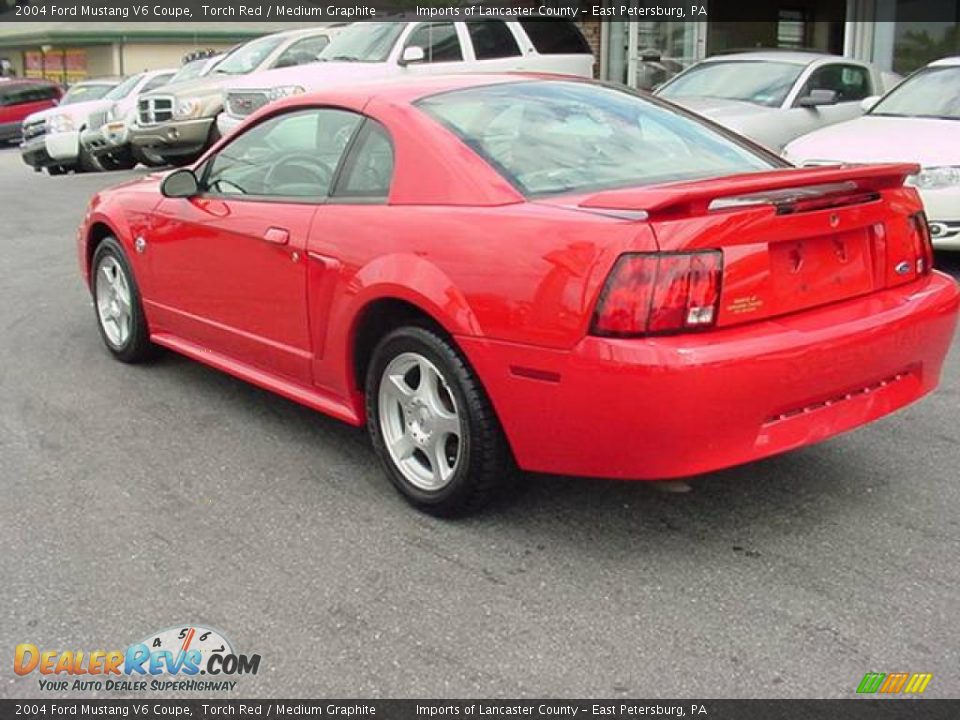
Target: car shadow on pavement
x=824, y=481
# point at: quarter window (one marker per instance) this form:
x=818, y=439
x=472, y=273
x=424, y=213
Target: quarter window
x=556, y=37
x=492, y=39
x=368, y=170
x=291, y=155
x=439, y=42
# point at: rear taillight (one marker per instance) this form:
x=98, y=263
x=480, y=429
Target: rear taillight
x=657, y=293
x=922, y=243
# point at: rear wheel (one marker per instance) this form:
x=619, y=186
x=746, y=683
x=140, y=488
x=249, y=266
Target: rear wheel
x=121, y=161
x=432, y=425
x=119, y=311
x=147, y=157
x=56, y=170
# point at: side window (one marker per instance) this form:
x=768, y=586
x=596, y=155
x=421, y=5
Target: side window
x=439, y=42
x=556, y=37
x=156, y=81
x=368, y=170
x=303, y=51
x=492, y=39
x=293, y=155
x=850, y=82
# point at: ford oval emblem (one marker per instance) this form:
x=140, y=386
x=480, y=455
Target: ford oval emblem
x=902, y=268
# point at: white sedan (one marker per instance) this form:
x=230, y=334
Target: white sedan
x=774, y=96
x=918, y=121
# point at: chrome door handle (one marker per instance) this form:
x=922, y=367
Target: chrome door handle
x=277, y=236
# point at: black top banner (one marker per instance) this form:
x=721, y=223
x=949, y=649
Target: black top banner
x=186, y=11
x=892, y=709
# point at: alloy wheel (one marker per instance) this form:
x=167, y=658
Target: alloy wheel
x=420, y=422
x=114, y=304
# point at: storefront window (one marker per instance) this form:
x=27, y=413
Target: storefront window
x=904, y=41
x=647, y=54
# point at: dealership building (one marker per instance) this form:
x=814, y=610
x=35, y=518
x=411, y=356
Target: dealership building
x=896, y=35
x=69, y=51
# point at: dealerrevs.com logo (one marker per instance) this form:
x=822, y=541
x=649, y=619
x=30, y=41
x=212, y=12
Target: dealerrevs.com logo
x=169, y=660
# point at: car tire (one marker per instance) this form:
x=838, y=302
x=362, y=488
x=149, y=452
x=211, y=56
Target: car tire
x=87, y=162
x=432, y=425
x=147, y=157
x=54, y=170
x=117, y=305
x=124, y=161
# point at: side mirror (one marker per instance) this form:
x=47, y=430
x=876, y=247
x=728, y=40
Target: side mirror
x=817, y=98
x=868, y=103
x=180, y=183
x=412, y=54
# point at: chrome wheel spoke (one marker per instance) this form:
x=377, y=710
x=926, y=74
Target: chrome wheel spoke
x=419, y=421
x=113, y=301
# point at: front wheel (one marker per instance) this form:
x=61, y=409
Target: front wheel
x=432, y=425
x=116, y=298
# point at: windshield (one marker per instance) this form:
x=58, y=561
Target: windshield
x=248, y=57
x=363, y=42
x=758, y=82
x=549, y=137
x=930, y=93
x=189, y=71
x=123, y=89
x=86, y=91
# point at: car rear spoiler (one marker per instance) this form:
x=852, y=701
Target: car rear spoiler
x=781, y=188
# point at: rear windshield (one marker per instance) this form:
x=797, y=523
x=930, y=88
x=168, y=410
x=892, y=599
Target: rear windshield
x=549, y=137
x=25, y=93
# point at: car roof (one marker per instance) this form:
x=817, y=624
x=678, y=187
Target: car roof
x=794, y=57
x=946, y=62
x=410, y=89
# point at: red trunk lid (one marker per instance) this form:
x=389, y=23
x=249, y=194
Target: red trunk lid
x=791, y=239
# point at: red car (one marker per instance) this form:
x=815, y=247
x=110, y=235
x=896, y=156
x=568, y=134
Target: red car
x=20, y=98
x=488, y=270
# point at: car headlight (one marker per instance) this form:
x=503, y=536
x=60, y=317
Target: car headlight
x=935, y=177
x=60, y=124
x=188, y=108
x=278, y=93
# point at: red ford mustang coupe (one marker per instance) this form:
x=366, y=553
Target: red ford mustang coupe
x=489, y=270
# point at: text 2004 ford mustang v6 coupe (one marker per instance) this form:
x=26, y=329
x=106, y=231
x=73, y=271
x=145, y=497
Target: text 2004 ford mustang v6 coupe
x=551, y=272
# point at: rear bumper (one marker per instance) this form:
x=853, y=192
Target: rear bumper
x=679, y=406
x=185, y=137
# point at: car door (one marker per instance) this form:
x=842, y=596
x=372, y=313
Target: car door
x=443, y=48
x=228, y=266
x=852, y=83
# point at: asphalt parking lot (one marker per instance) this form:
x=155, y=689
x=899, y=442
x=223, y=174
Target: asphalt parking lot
x=138, y=498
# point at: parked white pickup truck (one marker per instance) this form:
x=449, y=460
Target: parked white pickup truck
x=373, y=50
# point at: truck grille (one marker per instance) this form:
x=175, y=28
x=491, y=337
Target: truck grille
x=34, y=129
x=247, y=102
x=153, y=110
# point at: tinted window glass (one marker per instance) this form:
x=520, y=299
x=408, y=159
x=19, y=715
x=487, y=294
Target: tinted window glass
x=303, y=51
x=492, y=39
x=556, y=37
x=369, y=168
x=22, y=94
x=438, y=40
x=849, y=82
x=249, y=56
x=557, y=136
x=124, y=88
x=291, y=155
